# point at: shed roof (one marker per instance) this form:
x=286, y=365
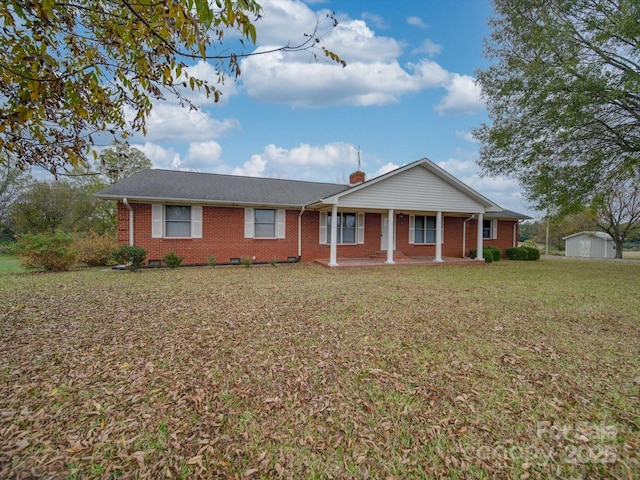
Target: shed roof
x=602, y=235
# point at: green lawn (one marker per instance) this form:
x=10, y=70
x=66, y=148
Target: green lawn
x=9, y=264
x=506, y=370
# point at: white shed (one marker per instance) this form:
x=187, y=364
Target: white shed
x=589, y=245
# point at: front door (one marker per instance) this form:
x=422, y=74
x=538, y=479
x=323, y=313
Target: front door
x=384, y=233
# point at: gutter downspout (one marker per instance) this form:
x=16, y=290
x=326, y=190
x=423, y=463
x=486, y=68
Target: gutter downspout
x=300, y=232
x=126, y=204
x=515, y=231
x=464, y=235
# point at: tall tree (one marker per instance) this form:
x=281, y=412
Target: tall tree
x=48, y=206
x=618, y=210
x=120, y=161
x=60, y=205
x=563, y=97
x=112, y=165
x=68, y=70
x=12, y=181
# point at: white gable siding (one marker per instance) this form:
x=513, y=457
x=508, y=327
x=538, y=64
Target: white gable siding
x=415, y=189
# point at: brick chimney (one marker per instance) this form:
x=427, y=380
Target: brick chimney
x=356, y=177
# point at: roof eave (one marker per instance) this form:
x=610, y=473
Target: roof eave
x=198, y=201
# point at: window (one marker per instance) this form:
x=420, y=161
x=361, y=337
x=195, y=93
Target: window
x=422, y=229
x=489, y=229
x=264, y=223
x=350, y=228
x=346, y=227
x=176, y=221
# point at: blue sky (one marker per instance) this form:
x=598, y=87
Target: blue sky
x=407, y=92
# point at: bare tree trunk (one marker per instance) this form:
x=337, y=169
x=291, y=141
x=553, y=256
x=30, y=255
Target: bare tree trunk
x=618, y=247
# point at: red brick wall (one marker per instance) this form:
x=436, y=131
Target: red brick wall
x=452, y=246
x=504, y=240
x=223, y=237
x=312, y=250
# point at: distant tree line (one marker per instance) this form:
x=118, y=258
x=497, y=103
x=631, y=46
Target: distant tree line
x=560, y=227
x=65, y=204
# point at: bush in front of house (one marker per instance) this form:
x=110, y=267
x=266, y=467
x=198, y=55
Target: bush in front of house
x=131, y=256
x=95, y=250
x=534, y=253
x=490, y=254
x=495, y=252
x=51, y=251
x=172, y=260
x=522, y=253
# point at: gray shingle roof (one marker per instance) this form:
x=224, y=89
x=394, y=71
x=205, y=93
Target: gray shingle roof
x=507, y=215
x=214, y=188
x=602, y=235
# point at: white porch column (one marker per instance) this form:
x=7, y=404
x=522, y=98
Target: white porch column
x=333, y=251
x=438, y=237
x=390, y=236
x=479, y=243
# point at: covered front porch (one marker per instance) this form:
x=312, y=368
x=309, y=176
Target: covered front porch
x=394, y=231
x=413, y=206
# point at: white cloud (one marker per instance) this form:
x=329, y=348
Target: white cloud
x=361, y=84
x=374, y=19
x=356, y=42
x=373, y=75
x=416, y=22
x=160, y=157
x=206, y=71
x=204, y=155
x=429, y=48
x=493, y=184
x=386, y=168
x=463, y=96
x=308, y=162
x=307, y=155
x=459, y=168
x=279, y=19
x=170, y=121
x=430, y=74
x=251, y=168
x=465, y=136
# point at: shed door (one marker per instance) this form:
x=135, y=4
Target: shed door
x=584, y=248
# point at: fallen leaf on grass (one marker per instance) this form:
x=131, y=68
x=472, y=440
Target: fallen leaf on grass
x=195, y=460
x=22, y=444
x=139, y=457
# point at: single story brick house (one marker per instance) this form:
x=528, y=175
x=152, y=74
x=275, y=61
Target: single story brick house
x=402, y=212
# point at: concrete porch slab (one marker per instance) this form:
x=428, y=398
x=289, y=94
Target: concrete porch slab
x=374, y=262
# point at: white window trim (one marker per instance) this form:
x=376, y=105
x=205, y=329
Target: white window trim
x=158, y=221
x=412, y=230
x=325, y=235
x=494, y=229
x=250, y=225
